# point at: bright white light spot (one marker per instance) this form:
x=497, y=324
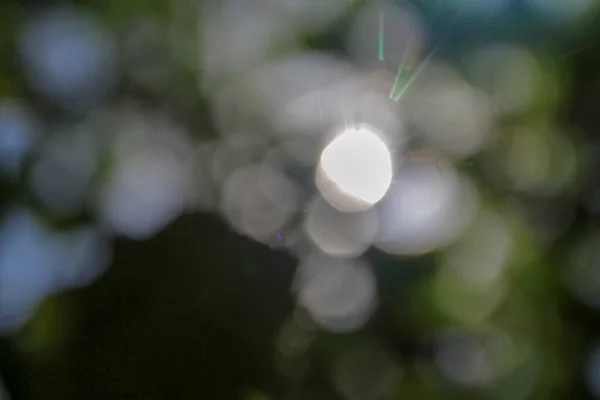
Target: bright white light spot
x=355, y=170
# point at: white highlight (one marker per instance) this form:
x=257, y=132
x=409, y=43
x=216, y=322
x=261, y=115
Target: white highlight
x=355, y=170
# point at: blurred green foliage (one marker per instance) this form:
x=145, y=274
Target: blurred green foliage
x=151, y=328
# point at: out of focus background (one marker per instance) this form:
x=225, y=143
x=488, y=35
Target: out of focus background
x=300, y=199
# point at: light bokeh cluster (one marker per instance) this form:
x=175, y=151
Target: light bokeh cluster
x=362, y=163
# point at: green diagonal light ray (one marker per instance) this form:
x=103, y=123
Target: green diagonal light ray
x=401, y=66
x=414, y=76
x=381, y=38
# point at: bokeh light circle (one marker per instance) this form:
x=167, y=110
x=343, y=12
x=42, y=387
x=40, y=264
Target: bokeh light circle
x=355, y=169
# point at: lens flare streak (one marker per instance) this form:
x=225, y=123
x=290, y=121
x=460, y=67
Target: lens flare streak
x=414, y=76
x=381, y=38
x=402, y=64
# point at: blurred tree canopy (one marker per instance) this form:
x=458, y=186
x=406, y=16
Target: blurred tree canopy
x=190, y=306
